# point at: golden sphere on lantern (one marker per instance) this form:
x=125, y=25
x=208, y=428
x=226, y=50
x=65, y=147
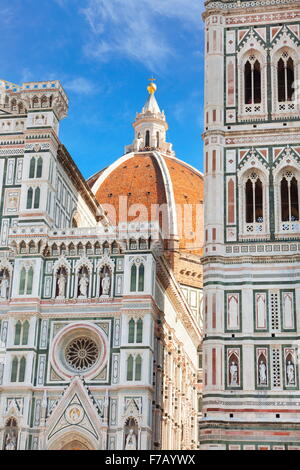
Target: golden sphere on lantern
x=152, y=88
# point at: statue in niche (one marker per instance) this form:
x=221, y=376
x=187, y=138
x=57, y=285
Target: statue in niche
x=83, y=285
x=11, y=442
x=105, y=283
x=233, y=374
x=131, y=443
x=4, y=286
x=262, y=369
x=290, y=372
x=61, y=282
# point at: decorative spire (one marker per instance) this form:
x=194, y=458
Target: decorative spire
x=151, y=104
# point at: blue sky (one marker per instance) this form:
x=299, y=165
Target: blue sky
x=103, y=52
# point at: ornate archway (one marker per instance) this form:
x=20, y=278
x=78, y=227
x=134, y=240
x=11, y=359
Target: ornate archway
x=72, y=441
x=75, y=445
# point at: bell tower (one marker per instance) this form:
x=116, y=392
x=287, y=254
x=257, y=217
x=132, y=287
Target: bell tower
x=252, y=226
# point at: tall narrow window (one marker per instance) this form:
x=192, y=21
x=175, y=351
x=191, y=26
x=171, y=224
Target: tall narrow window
x=25, y=333
x=37, y=195
x=249, y=202
x=147, y=139
x=130, y=368
x=133, y=278
x=29, y=198
x=39, y=168
x=14, y=369
x=289, y=198
x=139, y=331
x=138, y=368
x=22, y=369
x=141, y=278
x=254, y=199
x=32, y=168
x=22, y=281
x=252, y=79
x=131, y=331
x=18, y=329
x=157, y=139
x=285, y=78
x=29, y=281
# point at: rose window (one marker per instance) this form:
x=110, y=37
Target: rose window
x=82, y=353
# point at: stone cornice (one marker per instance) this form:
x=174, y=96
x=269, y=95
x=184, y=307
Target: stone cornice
x=225, y=6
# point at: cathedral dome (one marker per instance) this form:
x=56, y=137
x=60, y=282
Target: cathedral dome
x=149, y=176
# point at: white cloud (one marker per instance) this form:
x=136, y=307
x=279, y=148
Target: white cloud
x=133, y=28
x=80, y=85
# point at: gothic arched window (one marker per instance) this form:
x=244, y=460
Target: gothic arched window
x=25, y=333
x=32, y=168
x=131, y=331
x=22, y=281
x=289, y=197
x=254, y=199
x=29, y=198
x=130, y=368
x=22, y=369
x=137, y=278
x=18, y=329
x=133, y=278
x=138, y=368
x=285, y=77
x=252, y=77
x=29, y=281
x=14, y=369
x=39, y=168
x=37, y=195
x=141, y=278
x=18, y=369
x=139, y=331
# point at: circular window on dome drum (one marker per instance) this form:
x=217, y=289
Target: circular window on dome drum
x=82, y=353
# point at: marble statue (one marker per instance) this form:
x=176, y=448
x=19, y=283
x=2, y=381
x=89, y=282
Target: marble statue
x=105, y=284
x=83, y=286
x=10, y=443
x=233, y=374
x=61, y=285
x=3, y=287
x=131, y=443
x=290, y=370
x=262, y=373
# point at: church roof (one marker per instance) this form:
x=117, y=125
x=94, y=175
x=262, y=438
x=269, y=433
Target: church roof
x=150, y=179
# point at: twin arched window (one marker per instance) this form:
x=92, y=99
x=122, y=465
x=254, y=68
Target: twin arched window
x=135, y=331
x=18, y=369
x=36, y=167
x=288, y=188
x=21, y=333
x=33, y=198
x=26, y=281
x=134, y=368
x=137, y=278
x=252, y=77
